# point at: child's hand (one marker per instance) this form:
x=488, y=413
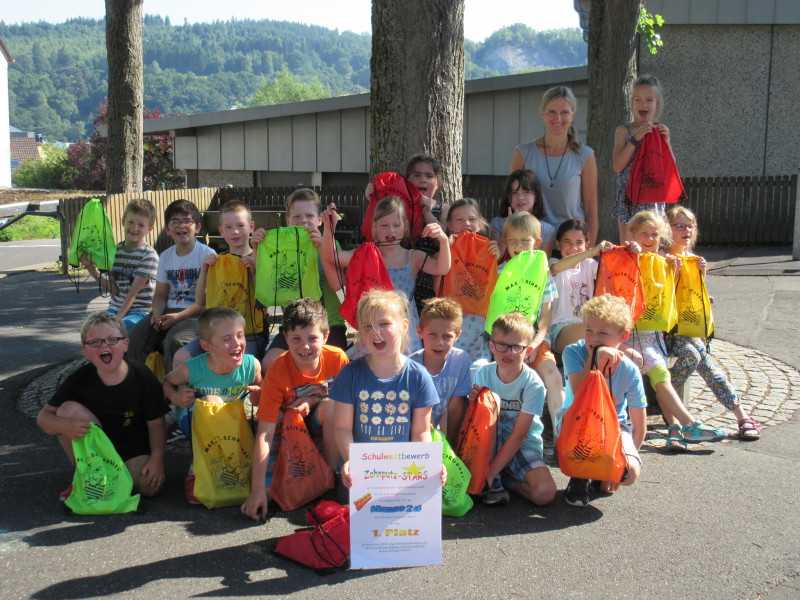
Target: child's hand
x=255, y=507
x=635, y=356
x=209, y=261
x=166, y=321
x=300, y=405
x=258, y=237
x=703, y=266
x=153, y=472
x=330, y=217
x=315, y=236
x=255, y=394
x=183, y=396
x=347, y=481
x=368, y=190
x=443, y=476
x=641, y=130
x=76, y=428
x=427, y=203
x=249, y=262
x=608, y=360
x=633, y=247
x=473, y=393
x=664, y=131
x=674, y=261
x=603, y=246
x=435, y=231
x=494, y=248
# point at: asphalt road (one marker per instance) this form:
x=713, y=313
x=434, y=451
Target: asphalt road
x=22, y=254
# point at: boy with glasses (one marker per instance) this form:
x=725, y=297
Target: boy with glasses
x=173, y=321
x=519, y=455
x=124, y=399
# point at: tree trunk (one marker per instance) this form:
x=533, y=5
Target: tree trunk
x=417, y=86
x=612, y=70
x=125, y=95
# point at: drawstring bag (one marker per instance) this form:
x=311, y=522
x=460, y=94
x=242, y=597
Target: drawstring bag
x=222, y=443
x=654, y=175
x=519, y=288
x=102, y=484
x=286, y=267
x=300, y=474
x=92, y=237
x=155, y=362
x=618, y=274
x=228, y=285
x=472, y=275
x=389, y=183
x=477, y=438
x=658, y=280
x=455, y=499
x=366, y=271
x=589, y=445
x=325, y=545
x=694, y=305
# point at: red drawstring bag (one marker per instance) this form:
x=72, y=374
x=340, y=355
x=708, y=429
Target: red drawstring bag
x=325, y=546
x=477, y=438
x=654, y=175
x=366, y=271
x=472, y=275
x=590, y=443
x=324, y=511
x=618, y=274
x=300, y=474
x=389, y=183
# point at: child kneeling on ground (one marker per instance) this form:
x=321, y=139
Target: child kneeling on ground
x=123, y=398
x=297, y=380
x=225, y=370
x=607, y=324
x=519, y=457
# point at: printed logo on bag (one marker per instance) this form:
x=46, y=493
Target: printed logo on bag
x=228, y=470
x=99, y=483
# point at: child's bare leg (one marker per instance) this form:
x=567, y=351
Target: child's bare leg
x=548, y=371
x=135, y=466
x=73, y=410
x=329, y=449
x=456, y=409
x=568, y=335
x=538, y=486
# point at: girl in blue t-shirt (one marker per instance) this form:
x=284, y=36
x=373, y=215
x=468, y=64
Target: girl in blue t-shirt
x=383, y=396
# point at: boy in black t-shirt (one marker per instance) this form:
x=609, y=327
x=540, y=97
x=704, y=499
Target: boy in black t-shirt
x=124, y=399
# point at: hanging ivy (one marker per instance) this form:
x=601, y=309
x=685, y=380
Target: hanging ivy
x=648, y=27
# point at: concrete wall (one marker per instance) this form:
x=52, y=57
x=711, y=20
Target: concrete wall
x=219, y=178
x=729, y=95
x=5, y=142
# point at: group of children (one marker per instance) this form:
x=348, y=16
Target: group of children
x=406, y=371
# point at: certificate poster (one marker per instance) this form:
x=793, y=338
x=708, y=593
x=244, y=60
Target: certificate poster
x=395, y=505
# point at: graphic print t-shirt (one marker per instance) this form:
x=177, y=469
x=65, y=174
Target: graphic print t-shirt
x=181, y=273
x=383, y=408
x=228, y=386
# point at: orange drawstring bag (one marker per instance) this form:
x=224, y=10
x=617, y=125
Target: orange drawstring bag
x=590, y=443
x=366, y=271
x=472, y=275
x=478, y=436
x=301, y=474
x=618, y=274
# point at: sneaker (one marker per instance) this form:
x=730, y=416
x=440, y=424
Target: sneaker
x=175, y=435
x=188, y=489
x=578, y=492
x=64, y=494
x=698, y=432
x=496, y=494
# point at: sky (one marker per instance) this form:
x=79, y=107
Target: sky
x=481, y=17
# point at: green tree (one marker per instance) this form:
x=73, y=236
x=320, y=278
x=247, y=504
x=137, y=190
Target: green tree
x=52, y=171
x=288, y=88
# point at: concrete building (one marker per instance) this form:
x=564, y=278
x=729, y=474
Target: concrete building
x=5, y=146
x=729, y=70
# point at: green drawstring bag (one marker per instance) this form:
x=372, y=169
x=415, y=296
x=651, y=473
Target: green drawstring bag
x=456, y=502
x=286, y=267
x=102, y=484
x=519, y=288
x=93, y=237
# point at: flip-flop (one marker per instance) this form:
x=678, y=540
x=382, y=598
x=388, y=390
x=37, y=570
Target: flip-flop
x=749, y=429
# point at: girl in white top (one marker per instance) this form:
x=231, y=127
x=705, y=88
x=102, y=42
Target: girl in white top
x=566, y=168
x=574, y=276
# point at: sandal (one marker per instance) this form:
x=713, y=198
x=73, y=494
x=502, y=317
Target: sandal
x=675, y=440
x=749, y=429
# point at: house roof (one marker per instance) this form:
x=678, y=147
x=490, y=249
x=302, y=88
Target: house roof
x=5, y=51
x=24, y=148
x=257, y=113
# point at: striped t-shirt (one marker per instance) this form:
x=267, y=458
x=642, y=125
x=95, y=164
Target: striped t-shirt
x=129, y=264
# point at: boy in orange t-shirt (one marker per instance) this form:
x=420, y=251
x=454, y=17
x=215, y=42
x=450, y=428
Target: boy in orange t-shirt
x=297, y=380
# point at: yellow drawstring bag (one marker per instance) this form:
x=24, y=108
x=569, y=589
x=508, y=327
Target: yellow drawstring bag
x=228, y=284
x=658, y=279
x=155, y=362
x=222, y=445
x=694, y=305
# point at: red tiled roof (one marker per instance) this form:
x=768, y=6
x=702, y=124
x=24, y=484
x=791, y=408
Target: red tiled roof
x=24, y=149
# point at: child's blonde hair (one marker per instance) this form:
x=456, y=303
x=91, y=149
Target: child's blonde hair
x=523, y=222
x=101, y=318
x=445, y=309
x=681, y=211
x=232, y=206
x=381, y=301
x=211, y=317
x=514, y=323
x=653, y=82
x=388, y=206
x=609, y=309
x=648, y=217
x=143, y=208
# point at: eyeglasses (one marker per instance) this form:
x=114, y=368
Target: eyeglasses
x=503, y=348
x=98, y=342
x=185, y=221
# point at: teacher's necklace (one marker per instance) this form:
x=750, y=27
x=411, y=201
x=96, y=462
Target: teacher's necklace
x=551, y=176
